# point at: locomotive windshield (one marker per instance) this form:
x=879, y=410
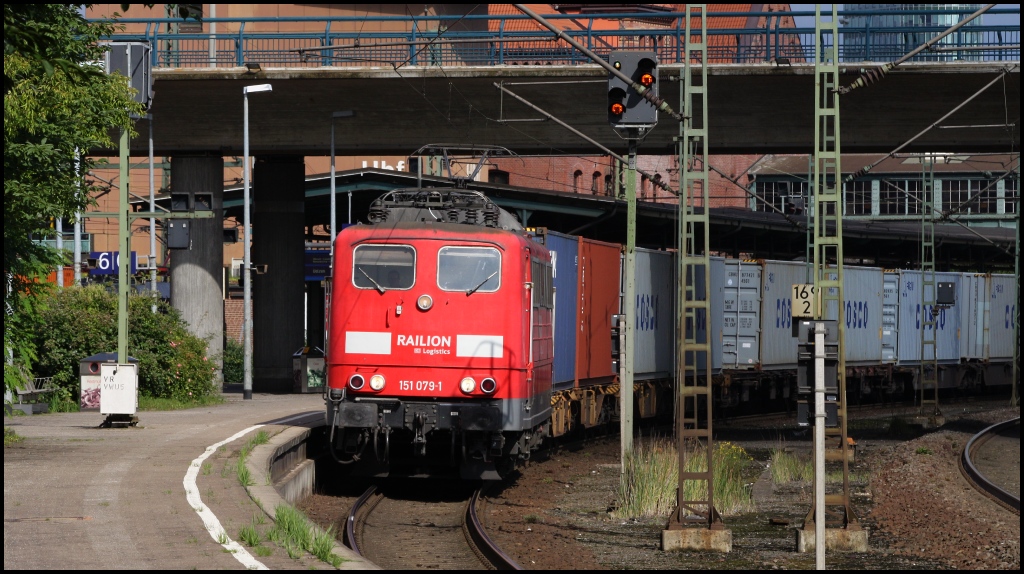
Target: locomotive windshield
x=384, y=267
x=469, y=269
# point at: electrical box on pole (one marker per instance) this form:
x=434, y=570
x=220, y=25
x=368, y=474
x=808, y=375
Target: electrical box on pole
x=807, y=368
x=626, y=107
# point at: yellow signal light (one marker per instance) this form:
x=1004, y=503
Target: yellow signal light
x=647, y=80
x=617, y=109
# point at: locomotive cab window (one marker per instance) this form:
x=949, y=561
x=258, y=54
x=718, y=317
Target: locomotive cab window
x=469, y=269
x=384, y=267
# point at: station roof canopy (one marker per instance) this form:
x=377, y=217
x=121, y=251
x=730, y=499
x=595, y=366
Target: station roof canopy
x=735, y=232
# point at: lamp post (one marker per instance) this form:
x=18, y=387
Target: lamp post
x=247, y=240
x=334, y=227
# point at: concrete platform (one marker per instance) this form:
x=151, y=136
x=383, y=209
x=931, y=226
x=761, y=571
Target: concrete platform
x=836, y=540
x=80, y=497
x=696, y=539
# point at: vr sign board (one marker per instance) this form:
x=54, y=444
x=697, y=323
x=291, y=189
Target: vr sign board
x=119, y=386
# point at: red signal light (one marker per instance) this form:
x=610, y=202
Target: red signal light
x=617, y=109
x=647, y=80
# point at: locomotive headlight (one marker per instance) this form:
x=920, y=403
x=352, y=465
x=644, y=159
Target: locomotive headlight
x=424, y=302
x=356, y=382
x=467, y=385
x=377, y=382
x=488, y=385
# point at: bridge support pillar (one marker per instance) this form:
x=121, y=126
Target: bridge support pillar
x=279, y=243
x=196, y=273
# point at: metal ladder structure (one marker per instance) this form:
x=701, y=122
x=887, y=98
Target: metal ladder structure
x=827, y=202
x=693, y=371
x=928, y=378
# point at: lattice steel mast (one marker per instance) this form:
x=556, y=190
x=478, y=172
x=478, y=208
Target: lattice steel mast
x=826, y=192
x=693, y=370
x=928, y=377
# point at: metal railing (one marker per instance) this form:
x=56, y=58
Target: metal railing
x=491, y=40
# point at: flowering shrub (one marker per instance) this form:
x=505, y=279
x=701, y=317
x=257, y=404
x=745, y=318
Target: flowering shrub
x=78, y=322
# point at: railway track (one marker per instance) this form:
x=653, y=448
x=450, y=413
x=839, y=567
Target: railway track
x=992, y=444
x=435, y=532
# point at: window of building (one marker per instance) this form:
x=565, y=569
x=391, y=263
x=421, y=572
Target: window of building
x=576, y=181
x=858, y=197
x=900, y=197
x=497, y=176
x=595, y=181
x=1011, y=195
x=785, y=196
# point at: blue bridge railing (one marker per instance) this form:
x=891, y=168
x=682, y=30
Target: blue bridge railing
x=487, y=40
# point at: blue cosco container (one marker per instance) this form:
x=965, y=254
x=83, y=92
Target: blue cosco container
x=947, y=341
x=565, y=254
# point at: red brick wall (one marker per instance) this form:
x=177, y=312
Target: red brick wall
x=560, y=174
x=233, y=314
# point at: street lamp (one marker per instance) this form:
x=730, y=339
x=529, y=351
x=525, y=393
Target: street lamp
x=247, y=261
x=334, y=227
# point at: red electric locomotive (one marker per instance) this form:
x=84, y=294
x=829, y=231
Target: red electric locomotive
x=440, y=337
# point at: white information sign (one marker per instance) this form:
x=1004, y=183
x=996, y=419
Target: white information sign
x=119, y=386
x=804, y=301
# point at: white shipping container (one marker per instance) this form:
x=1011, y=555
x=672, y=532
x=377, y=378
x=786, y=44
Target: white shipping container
x=914, y=314
x=741, y=314
x=654, y=350
x=778, y=345
x=1002, y=300
x=890, y=315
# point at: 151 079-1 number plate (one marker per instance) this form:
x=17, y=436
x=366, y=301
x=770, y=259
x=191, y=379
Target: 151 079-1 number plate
x=428, y=386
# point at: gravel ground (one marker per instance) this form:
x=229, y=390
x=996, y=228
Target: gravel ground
x=918, y=509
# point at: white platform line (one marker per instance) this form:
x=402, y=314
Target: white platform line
x=210, y=521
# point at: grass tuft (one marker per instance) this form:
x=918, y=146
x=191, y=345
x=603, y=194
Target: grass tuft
x=296, y=534
x=250, y=536
x=11, y=437
x=648, y=486
x=786, y=467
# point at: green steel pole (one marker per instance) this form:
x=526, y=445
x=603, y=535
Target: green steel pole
x=124, y=255
x=629, y=303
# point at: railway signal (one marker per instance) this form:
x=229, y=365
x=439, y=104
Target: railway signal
x=627, y=108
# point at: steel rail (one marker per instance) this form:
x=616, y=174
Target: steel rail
x=483, y=545
x=367, y=501
x=485, y=548
x=977, y=479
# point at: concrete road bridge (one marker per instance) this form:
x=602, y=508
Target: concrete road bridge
x=416, y=84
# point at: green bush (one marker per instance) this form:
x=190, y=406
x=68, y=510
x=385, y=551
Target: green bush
x=233, y=361
x=78, y=322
